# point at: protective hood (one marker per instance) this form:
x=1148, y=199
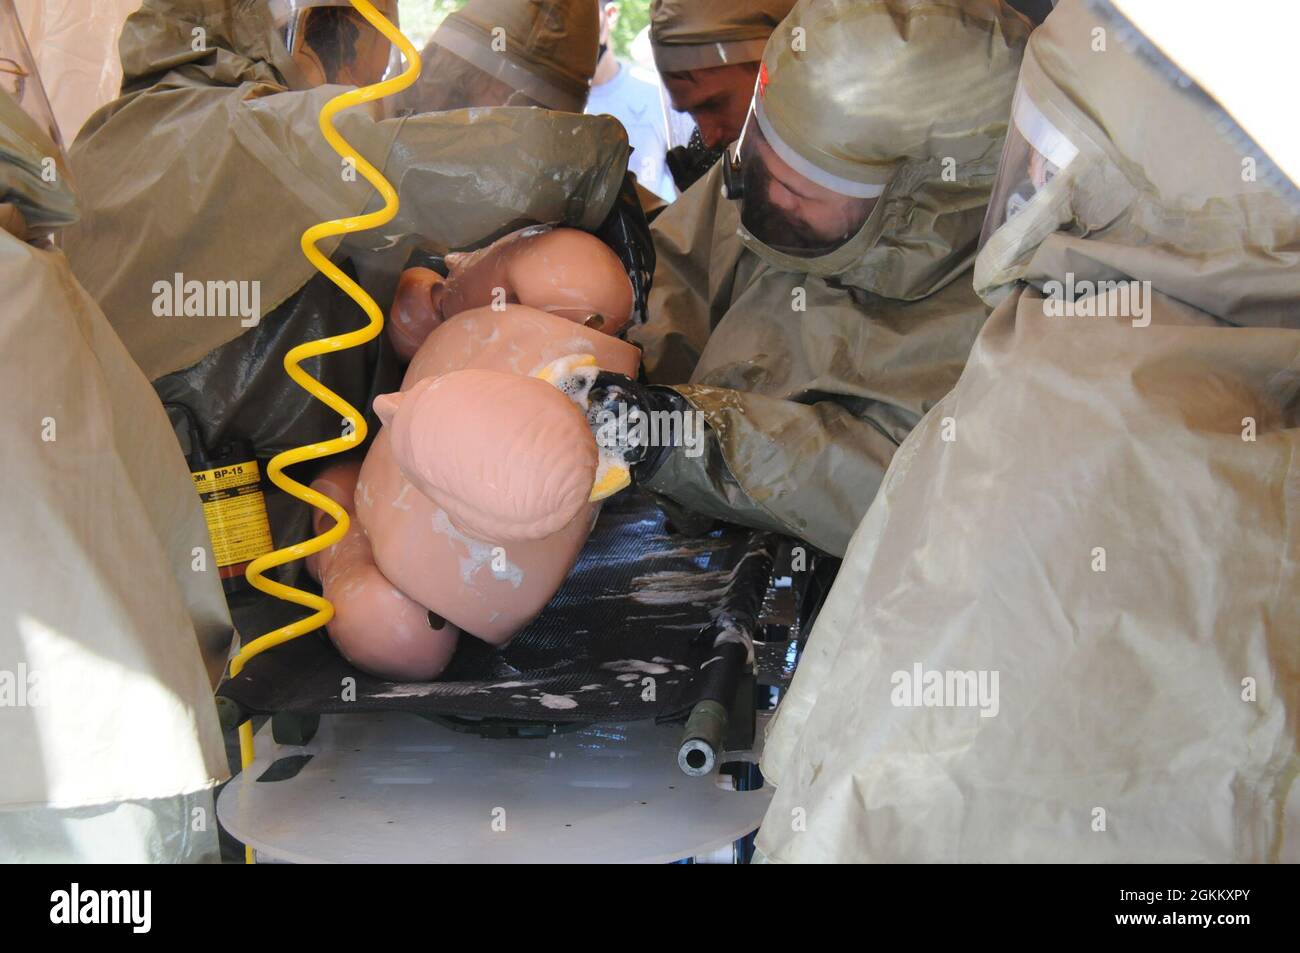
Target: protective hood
x=702, y=34
x=177, y=176
x=912, y=95
x=1156, y=194
x=203, y=43
x=544, y=48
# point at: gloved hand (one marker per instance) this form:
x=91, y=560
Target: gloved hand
x=627, y=232
x=689, y=163
x=641, y=423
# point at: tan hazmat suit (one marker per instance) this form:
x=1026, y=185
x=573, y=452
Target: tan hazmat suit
x=1067, y=628
x=810, y=372
x=113, y=626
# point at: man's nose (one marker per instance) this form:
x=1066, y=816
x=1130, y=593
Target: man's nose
x=713, y=132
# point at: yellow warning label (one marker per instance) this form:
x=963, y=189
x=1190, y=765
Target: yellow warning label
x=235, y=510
x=224, y=478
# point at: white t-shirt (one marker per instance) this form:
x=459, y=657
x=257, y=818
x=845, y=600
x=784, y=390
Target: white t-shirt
x=635, y=99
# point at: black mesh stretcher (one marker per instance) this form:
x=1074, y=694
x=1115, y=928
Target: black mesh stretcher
x=647, y=625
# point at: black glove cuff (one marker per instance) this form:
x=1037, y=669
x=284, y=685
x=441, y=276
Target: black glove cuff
x=660, y=398
x=652, y=402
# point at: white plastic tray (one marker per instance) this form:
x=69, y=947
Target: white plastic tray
x=396, y=788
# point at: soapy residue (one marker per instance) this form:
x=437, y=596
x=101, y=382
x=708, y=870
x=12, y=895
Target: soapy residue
x=675, y=587
x=730, y=631
x=480, y=554
x=558, y=702
x=691, y=549
x=363, y=493
x=633, y=665
x=415, y=689
x=572, y=375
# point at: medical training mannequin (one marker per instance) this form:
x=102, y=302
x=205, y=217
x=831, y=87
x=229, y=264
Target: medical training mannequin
x=562, y=271
x=475, y=498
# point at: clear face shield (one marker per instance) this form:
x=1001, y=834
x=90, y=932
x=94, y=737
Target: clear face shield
x=1034, y=154
x=466, y=85
x=18, y=76
x=787, y=202
x=687, y=157
x=501, y=76
x=333, y=43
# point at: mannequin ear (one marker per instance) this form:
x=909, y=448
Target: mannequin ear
x=386, y=407
x=436, y=291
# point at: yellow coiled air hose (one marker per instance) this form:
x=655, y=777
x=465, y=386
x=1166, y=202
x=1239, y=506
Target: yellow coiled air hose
x=323, y=611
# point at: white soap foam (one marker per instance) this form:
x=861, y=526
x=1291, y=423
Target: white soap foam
x=479, y=553
x=558, y=702
x=633, y=665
